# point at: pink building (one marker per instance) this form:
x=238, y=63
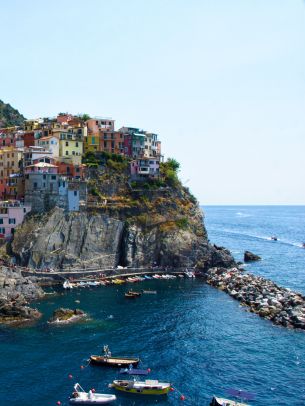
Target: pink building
x=145, y=168
x=95, y=125
x=12, y=213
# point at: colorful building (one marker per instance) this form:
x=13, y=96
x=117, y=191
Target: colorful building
x=99, y=124
x=49, y=143
x=144, y=168
x=10, y=163
x=11, y=215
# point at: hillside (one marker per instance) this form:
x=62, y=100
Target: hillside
x=9, y=116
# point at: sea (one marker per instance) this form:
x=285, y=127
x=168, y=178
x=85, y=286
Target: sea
x=189, y=334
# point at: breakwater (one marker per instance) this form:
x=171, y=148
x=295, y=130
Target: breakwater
x=262, y=296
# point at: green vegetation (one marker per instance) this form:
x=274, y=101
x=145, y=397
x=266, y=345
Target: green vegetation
x=116, y=162
x=84, y=116
x=9, y=116
x=169, y=171
x=182, y=223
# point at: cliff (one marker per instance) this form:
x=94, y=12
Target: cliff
x=136, y=228
x=9, y=116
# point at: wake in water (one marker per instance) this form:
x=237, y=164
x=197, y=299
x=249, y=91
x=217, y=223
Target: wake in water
x=260, y=237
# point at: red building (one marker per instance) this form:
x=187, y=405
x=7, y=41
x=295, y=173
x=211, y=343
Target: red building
x=70, y=170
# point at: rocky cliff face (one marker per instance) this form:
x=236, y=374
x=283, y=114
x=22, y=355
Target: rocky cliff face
x=126, y=236
x=15, y=292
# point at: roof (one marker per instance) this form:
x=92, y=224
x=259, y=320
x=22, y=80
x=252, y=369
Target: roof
x=42, y=165
x=47, y=137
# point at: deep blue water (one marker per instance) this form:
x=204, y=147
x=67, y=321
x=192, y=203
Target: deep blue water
x=189, y=333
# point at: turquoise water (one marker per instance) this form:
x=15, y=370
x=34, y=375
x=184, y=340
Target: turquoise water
x=190, y=334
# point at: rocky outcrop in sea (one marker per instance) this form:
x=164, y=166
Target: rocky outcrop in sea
x=15, y=293
x=280, y=305
x=64, y=316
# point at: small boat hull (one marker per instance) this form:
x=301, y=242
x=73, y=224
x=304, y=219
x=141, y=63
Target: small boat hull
x=115, y=362
x=141, y=388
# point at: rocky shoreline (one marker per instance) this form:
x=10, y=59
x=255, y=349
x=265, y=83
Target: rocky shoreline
x=280, y=305
x=16, y=292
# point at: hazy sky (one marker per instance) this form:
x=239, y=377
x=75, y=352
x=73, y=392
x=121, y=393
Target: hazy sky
x=221, y=81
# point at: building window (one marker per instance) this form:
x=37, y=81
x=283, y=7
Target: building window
x=67, y=143
x=44, y=176
x=24, y=210
x=2, y=230
x=11, y=221
x=35, y=185
x=76, y=144
x=53, y=177
x=67, y=153
x=75, y=192
x=1, y=221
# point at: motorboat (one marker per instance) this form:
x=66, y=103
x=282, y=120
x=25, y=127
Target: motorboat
x=149, y=292
x=108, y=360
x=236, y=393
x=189, y=274
x=80, y=397
x=134, y=293
x=225, y=402
x=274, y=238
x=67, y=285
x=129, y=296
x=147, y=387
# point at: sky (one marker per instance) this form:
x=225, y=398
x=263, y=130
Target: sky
x=222, y=82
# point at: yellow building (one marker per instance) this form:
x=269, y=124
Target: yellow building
x=10, y=161
x=31, y=125
x=71, y=146
x=91, y=143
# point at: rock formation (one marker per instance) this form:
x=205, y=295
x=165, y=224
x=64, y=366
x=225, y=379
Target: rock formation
x=90, y=239
x=66, y=316
x=250, y=257
x=15, y=292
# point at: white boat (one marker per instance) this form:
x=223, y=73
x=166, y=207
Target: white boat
x=94, y=283
x=67, y=285
x=189, y=274
x=80, y=397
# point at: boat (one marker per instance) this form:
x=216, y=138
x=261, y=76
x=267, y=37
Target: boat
x=134, y=371
x=149, y=292
x=130, y=296
x=93, y=283
x=156, y=276
x=80, y=397
x=225, y=402
x=131, y=292
x=189, y=274
x=67, y=285
x=237, y=393
x=148, y=387
x=147, y=277
x=274, y=238
x=303, y=245
x=108, y=360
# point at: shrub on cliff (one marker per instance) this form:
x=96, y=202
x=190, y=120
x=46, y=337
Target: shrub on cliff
x=169, y=172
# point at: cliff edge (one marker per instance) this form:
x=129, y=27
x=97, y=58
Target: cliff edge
x=122, y=224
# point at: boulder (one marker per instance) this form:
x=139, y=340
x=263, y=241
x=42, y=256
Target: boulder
x=250, y=257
